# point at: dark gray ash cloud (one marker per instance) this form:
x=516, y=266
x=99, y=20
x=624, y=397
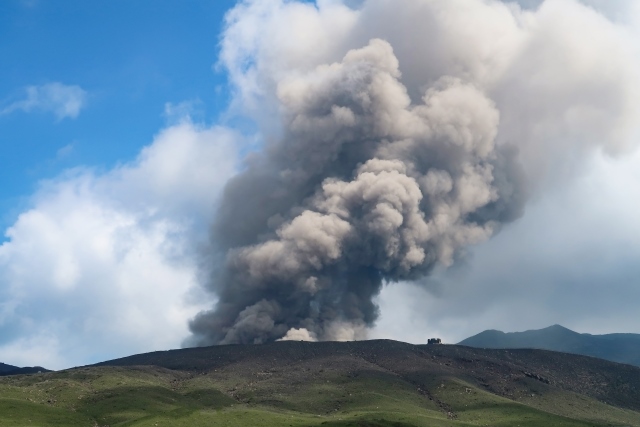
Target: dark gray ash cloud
x=363, y=188
x=377, y=176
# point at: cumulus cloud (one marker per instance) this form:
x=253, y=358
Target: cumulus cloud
x=104, y=264
x=575, y=68
x=392, y=157
x=63, y=101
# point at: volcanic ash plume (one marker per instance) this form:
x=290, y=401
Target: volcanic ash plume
x=363, y=187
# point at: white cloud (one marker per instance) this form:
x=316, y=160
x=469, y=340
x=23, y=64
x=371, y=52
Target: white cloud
x=563, y=76
x=64, y=101
x=37, y=350
x=176, y=113
x=105, y=264
x=625, y=11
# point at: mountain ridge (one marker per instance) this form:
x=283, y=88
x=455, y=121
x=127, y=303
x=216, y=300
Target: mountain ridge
x=6, y=370
x=615, y=347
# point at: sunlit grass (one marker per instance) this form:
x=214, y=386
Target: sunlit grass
x=149, y=396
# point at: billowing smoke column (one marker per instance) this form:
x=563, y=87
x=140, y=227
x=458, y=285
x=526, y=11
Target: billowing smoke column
x=363, y=188
x=377, y=176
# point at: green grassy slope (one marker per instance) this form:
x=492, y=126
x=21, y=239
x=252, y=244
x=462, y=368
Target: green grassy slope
x=154, y=396
x=299, y=384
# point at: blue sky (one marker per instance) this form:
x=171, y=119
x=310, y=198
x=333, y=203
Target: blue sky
x=83, y=88
x=121, y=122
x=131, y=58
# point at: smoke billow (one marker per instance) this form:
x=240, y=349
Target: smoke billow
x=368, y=184
x=363, y=188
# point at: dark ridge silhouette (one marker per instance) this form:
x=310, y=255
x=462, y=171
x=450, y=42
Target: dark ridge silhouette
x=621, y=348
x=6, y=370
x=514, y=374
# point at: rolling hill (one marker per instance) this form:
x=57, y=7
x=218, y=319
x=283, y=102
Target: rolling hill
x=368, y=383
x=622, y=348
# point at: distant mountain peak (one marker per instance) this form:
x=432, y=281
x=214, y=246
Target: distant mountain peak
x=7, y=368
x=558, y=327
x=623, y=348
x=15, y=370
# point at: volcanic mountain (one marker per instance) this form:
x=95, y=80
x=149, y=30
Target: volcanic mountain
x=365, y=383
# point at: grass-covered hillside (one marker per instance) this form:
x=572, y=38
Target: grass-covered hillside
x=374, y=383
